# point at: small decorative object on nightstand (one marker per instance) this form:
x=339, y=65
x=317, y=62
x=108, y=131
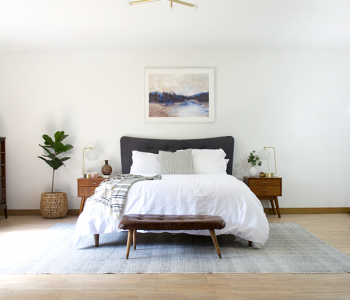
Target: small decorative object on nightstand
x=266, y=189
x=106, y=168
x=253, y=159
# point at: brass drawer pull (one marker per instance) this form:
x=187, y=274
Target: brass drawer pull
x=264, y=190
x=93, y=182
x=264, y=182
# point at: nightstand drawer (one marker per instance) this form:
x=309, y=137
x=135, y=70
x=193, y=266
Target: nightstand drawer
x=86, y=191
x=264, y=182
x=266, y=190
x=90, y=182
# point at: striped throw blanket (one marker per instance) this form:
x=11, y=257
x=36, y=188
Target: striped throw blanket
x=112, y=192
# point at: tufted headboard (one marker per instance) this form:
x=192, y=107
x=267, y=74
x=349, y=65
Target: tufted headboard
x=128, y=144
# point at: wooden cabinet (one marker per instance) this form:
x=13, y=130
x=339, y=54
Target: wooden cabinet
x=86, y=188
x=266, y=189
x=3, y=202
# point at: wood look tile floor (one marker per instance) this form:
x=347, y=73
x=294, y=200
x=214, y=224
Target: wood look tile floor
x=333, y=229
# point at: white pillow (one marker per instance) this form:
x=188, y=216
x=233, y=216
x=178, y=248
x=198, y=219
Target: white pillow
x=144, y=163
x=209, y=161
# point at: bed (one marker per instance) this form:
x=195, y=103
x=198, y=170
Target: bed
x=195, y=194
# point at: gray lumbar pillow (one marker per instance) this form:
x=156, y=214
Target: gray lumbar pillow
x=179, y=162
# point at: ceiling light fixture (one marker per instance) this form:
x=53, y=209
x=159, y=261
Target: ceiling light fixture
x=170, y=1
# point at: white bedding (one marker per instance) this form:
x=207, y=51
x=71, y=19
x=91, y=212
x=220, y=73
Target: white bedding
x=219, y=194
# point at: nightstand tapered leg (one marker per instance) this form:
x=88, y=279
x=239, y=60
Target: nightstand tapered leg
x=82, y=205
x=273, y=207
x=277, y=206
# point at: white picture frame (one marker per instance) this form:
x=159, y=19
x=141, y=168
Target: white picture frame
x=179, y=95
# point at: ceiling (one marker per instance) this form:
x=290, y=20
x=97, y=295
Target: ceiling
x=109, y=25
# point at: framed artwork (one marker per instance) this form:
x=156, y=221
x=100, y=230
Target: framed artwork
x=179, y=95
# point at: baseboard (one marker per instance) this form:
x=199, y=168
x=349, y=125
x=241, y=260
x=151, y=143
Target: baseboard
x=293, y=210
x=311, y=210
x=36, y=212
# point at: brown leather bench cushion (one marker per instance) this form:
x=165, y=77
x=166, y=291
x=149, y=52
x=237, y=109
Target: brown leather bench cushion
x=171, y=222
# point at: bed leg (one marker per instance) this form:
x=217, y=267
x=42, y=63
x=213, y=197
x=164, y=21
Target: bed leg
x=97, y=239
x=134, y=238
x=215, y=241
x=128, y=244
x=250, y=243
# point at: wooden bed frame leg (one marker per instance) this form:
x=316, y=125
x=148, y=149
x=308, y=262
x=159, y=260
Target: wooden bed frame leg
x=97, y=239
x=215, y=241
x=134, y=238
x=128, y=244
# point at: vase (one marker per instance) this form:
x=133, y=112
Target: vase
x=53, y=205
x=106, y=169
x=253, y=172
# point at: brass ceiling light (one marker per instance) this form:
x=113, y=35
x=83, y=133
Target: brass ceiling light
x=170, y=1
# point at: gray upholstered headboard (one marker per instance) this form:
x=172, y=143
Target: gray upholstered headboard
x=128, y=144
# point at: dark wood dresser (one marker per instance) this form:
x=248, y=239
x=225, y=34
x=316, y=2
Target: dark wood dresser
x=3, y=203
x=266, y=189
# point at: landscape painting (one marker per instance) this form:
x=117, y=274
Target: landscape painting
x=179, y=95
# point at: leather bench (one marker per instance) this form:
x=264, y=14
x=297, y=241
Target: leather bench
x=170, y=222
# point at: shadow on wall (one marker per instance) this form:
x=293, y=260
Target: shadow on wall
x=241, y=167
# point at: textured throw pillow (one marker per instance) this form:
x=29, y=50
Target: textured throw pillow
x=207, y=161
x=176, y=162
x=144, y=163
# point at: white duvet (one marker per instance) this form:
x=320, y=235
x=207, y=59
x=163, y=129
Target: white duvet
x=219, y=195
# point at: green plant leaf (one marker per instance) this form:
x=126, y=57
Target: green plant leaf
x=50, y=154
x=48, y=141
x=65, y=158
x=59, y=136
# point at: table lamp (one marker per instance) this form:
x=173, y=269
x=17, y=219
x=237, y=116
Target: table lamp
x=265, y=154
x=91, y=155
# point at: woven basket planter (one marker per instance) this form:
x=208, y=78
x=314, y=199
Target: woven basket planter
x=53, y=205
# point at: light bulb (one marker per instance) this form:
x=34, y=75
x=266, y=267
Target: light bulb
x=92, y=155
x=264, y=154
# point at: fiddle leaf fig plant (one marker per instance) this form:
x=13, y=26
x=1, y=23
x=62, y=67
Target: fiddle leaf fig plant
x=254, y=159
x=53, y=149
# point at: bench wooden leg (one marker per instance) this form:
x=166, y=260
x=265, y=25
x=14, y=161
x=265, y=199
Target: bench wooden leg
x=128, y=244
x=250, y=243
x=97, y=239
x=134, y=238
x=215, y=241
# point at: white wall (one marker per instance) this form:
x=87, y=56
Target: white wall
x=297, y=102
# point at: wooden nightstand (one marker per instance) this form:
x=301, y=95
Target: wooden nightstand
x=86, y=188
x=266, y=189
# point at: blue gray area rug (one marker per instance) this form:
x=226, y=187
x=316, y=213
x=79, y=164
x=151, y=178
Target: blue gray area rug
x=289, y=249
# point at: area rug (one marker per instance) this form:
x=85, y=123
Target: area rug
x=289, y=249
